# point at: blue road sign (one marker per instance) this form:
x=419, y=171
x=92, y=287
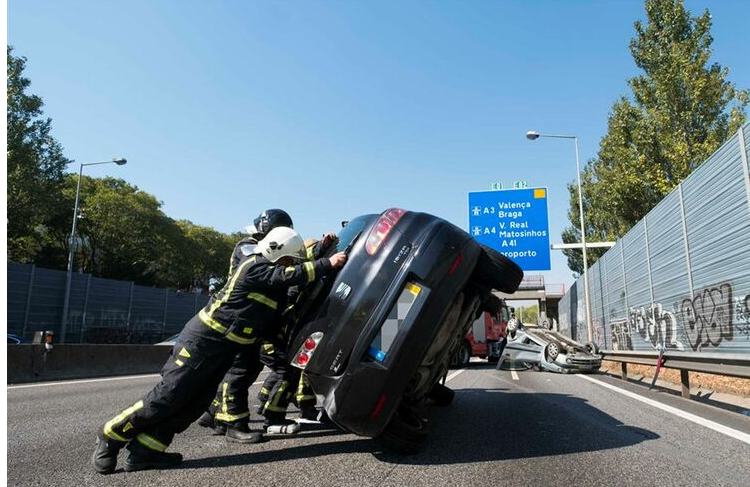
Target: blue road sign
x=514, y=222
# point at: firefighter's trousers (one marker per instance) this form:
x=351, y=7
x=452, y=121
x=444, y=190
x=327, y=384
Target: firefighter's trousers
x=231, y=401
x=275, y=359
x=284, y=384
x=189, y=379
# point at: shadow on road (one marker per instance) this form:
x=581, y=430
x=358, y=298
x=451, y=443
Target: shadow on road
x=482, y=425
x=293, y=453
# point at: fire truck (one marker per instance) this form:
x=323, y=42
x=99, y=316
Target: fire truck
x=486, y=339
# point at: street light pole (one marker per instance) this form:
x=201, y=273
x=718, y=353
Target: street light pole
x=531, y=135
x=72, y=243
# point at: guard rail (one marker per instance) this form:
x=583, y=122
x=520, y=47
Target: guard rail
x=731, y=364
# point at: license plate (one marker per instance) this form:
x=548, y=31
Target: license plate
x=386, y=336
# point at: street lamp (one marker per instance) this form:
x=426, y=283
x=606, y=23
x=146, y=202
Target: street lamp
x=532, y=135
x=71, y=252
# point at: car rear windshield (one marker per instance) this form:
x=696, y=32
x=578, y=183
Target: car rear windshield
x=352, y=229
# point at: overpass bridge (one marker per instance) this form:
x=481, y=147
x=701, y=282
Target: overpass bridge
x=548, y=296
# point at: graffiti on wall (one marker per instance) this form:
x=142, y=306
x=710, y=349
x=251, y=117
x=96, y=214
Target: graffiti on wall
x=742, y=315
x=621, y=335
x=656, y=325
x=707, y=317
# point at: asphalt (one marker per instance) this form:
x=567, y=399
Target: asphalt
x=538, y=429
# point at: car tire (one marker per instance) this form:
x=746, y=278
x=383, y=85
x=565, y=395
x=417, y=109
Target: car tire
x=441, y=395
x=493, y=360
x=405, y=433
x=553, y=350
x=591, y=348
x=497, y=271
x=512, y=327
x=463, y=356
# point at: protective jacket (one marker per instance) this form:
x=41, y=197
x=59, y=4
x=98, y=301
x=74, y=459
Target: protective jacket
x=249, y=306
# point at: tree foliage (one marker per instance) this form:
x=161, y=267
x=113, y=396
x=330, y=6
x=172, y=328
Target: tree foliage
x=124, y=234
x=682, y=109
x=35, y=165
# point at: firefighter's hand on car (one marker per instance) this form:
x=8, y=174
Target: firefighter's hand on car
x=329, y=239
x=337, y=260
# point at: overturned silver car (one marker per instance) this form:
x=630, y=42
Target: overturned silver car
x=548, y=350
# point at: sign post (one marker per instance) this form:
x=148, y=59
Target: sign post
x=515, y=223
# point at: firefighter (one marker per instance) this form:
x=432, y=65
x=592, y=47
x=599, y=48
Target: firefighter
x=285, y=384
x=229, y=412
x=246, y=310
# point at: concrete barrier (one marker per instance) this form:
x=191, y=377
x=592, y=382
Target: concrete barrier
x=32, y=363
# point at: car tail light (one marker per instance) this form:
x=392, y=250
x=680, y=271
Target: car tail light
x=382, y=228
x=306, y=350
x=302, y=359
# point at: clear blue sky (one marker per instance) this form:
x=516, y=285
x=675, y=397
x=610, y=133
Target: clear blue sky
x=331, y=109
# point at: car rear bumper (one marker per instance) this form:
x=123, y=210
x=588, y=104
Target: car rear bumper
x=361, y=389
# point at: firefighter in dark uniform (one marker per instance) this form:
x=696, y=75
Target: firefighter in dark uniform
x=245, y=311
x=229, y=411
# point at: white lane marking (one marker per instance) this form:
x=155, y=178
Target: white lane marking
x=86, y=381
x=720, y=428
x=454, y=374
x=513, y=374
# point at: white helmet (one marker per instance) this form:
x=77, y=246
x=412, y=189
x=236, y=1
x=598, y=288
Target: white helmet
x=282, y=242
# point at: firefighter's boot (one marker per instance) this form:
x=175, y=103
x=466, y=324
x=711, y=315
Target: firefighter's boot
x=104, y=459
x=207, y=420
x=143, y=458
x=241, y=433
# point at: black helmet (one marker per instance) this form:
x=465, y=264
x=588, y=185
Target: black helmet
x=270, y=219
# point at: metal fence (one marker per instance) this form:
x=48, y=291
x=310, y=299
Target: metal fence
x=680, y=278
x=101, y=310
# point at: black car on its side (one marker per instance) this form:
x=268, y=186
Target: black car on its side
x=376, y=338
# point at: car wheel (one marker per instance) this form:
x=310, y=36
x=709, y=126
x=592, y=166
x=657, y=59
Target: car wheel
x=592, y=348
x=442, y=395
x=405, y=433
x=497, y=271
x=493, y=359
x=553, y=350
x=463, y=355
x=512, y=327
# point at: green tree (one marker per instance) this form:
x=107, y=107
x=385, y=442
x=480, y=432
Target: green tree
x=209, y=253
x=528, y=314
x=124, y=234
x=682, y=109
x=35, y=165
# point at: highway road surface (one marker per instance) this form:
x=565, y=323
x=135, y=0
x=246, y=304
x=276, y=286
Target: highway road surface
x=504, y=428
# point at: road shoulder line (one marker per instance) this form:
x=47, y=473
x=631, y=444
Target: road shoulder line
x=719, y=428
